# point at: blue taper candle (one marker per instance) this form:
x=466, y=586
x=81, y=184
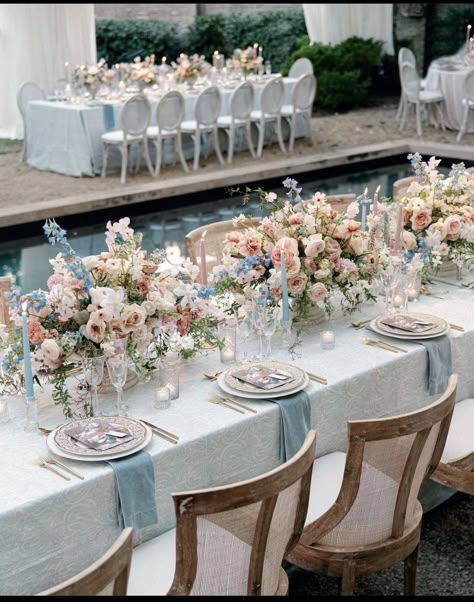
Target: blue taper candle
x=284, y=289
x=30, y=394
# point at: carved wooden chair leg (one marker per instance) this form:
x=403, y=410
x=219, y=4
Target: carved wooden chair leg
x=409, y=566
x=348, y=579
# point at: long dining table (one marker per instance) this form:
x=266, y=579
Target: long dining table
x=65, y=137
x=50, y=529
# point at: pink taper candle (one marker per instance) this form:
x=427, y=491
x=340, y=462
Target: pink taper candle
x=468, y=35
x=376, y=198
x=203, y=259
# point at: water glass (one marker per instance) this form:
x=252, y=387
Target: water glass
x=227, y=334
x=117, y=367
x=268, y=68
x=169, y=377
x=94, y=373
x=270, y=320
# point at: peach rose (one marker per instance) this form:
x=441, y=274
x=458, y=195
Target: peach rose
x=95, y=330
x=250, y=245
x=409, y=240
x=297, y=284
x=289, y=244
x=149, y=267
x=358, y=245
x=438, y=229
x=51, y=351
x=314, y=245
x=453, y=227
x=133, y=316
x=420, y=219
x=36, y=332
x=317, y=292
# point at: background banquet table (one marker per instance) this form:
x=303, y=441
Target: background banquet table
x=66, y=137
x=447, y=75
x=50, y=529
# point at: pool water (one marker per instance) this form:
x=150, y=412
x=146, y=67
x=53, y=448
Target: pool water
x=26, y=258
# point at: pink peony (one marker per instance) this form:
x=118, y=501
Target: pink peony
x=251, y=245
x=420, y=219
x=297, y=284
x=36, y=332
x=296, y=219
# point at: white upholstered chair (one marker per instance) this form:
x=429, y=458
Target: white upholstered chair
x=413, y=94
x=300, y=67
x=134, y=121
x=240, y=105
x=229, y=540
x=468, y=102
x=405, y=55
x=27, y=92
x=364, y=514
x=271, y=102
x=206, y=113
x=302, y=99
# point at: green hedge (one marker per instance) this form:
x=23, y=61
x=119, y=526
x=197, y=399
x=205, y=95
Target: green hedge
x=277, y=32
x=446, y=34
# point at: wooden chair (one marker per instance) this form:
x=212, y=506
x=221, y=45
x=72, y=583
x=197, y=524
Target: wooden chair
x=340, y=202
x=456, y=468
x=5, y=286
x=229, y=540
x=106, y=576
x=401, y=186
x=363, y=514
x=214, y=240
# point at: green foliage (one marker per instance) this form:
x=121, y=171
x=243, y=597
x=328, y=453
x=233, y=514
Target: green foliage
x=344, y=72
x=122, y=41
x=446, y=34
x=207, y=34
x=341, y=91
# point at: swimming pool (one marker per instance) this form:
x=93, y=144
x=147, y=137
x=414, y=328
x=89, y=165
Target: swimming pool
x=25, y=256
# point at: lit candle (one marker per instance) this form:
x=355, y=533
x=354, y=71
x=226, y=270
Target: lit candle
x=468, y=35
x=364, y=216
x=30, y=394
x=398, y=233
x=284, y=289
x=397, y=301
x=260, y=51
x=376, y=198
x=203, y=259
x=66, y=72
x=163, y=60
x=328, y=339
x=412, y=294
x=227, y=355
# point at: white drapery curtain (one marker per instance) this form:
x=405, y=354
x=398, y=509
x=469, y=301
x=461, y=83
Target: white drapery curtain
x=333, y=23
x=35, y=42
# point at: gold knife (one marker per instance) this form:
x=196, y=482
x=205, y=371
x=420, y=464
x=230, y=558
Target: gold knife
x=242, y=405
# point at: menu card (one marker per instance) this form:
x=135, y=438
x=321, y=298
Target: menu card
x=100, y=435
x=263, y=377
x=408, y=323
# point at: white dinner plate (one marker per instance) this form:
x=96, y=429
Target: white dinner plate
x=406, y=337
x=440, y=326
x=264, y=394
x=110, y=456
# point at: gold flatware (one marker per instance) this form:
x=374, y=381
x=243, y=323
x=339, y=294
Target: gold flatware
x=213, y=376
x=242, y=405
x=50, y=460
x=392, y=346
x=319, y=379
x=373, y=343
x=468, y=284
x=456, y=327
x=42, y=464
x=360, y=323
x=161, y=432
x=219, y=401
x=46, y=431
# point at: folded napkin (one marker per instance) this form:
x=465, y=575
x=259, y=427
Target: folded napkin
x=109, y=117
x=295, y=422
x=440, y=364
x=135, y=478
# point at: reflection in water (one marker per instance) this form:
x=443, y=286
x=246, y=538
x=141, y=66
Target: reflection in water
x=27, y=260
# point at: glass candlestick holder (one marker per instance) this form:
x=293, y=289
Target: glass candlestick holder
x=31, y=422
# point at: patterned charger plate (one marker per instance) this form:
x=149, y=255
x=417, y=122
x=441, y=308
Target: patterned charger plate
x=440, y=327
x=237, y=385
x=65, y=443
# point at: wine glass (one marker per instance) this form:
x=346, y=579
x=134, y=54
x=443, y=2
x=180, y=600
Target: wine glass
x=117, y=367
x=93, y=367
x=270, y=319
x=245, y=328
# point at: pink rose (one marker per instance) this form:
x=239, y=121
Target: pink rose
x=296, y=219
x=233, y=237
x=317, y=292
x=289, y=244
x=437, y=229
x=36, y=333
x=420, y=219
x=297, y=284
x=332, y=246
x=352, y=225
x=95, y=330
x=51, y=353
x=453, y=227
x=149, y=267
x=309, y=264
x=251, y=245
x=133, y=316
x=409, y=240
x=341, y=232
x=314, y=245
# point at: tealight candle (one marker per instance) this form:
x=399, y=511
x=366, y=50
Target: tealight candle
x=328, y=339
x=412, y=294
x=228, y=335
x=162, y=398
x=397, y=301
x=173, y=390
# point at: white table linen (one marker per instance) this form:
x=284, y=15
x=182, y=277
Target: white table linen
x=447, y=75
x=66, y=138
x=50, y=529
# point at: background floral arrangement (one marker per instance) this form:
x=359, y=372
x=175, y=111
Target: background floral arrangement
x=438, y=214
x=325, y=252
x=247, y=59
x=144, y=71
x=91, y=301
x=190, y=67
x=93, y=76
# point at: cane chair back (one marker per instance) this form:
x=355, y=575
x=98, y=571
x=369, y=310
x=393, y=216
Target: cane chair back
x=231, y=540
x=401, y=186
x=241, y=101
x=405, y=55
x=272, y=97
x=105, y=577
x=301, y=67
x=215, y=240
x=170, y=110
x=5, y=286
x=410, y=81
x=28, y=92
x=304, y=92
x=208, y=106
x=135, y=115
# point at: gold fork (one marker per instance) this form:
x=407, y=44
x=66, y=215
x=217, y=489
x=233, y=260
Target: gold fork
x=219, y=401
x=49, y=460
x=213, y=376
x=242, y=405
x=379, y=344
x=42, y=464
x=360, y=323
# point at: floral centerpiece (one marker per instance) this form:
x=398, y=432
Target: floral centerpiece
x=144, y=73
x=93, y=76
x=92, y=301
x=326, y=252
x=438, y=214
x=247, y=60
x=189, y=68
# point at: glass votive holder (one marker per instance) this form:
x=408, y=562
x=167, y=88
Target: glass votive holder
x=4, y=410
x=228, y=337
x=328, y=339
x=162, y=398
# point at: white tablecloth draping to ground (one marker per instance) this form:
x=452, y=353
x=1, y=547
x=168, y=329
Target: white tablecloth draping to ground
x=50, y=529
x=448, y=76
x=66, y=138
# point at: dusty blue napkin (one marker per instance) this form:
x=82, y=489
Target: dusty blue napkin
x=135, y=479
x=109, y=117
x=295, y=422
x=440, y=364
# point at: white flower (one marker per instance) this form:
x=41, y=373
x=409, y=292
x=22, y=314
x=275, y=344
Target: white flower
x=113, y=301
x=352, y=210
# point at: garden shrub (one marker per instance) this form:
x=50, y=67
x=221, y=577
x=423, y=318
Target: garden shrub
x=341, y=91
